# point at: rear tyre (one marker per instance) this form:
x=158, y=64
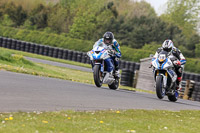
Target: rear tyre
x=160, y=91
x=98, y=76
x=174, y=97
x=114, y=85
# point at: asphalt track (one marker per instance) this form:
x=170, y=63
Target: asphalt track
x=22, y=92
x=59, y=64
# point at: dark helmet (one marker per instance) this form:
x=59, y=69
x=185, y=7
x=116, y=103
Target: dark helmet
x=108, y=38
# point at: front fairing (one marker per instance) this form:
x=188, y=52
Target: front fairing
x=162, y=65
x=165, y=69
x=99, y=52
x=100, y=56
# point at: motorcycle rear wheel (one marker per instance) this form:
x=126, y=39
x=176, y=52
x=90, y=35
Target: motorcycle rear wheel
x=160, y=91
x=98, y=76
x=174, y=97
x=114, y=85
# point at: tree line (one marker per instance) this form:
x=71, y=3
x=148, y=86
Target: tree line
x=134, y=24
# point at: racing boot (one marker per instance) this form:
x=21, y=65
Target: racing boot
x=179, y=87
x=117, y=74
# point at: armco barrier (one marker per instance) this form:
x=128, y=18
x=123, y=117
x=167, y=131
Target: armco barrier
x=22, y=46
x=27, y=47
x=196, y=92
x=69, y=55
x=50, y=53
x=74, y=56
x=132, y=66
x=41, y=49
x=9, y=43
x=84, y=58
x=88, y=60
x=4, y=42
x=32, y=47
x=18, y=44
x=60, y=53
x=65, y=53
x=137, y=66
x=121, y=64
x=191, y=76
x=46, y=50
x=127, y=77
x=1, y=39
x=127, y=65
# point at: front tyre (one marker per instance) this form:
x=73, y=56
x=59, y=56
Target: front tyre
x=160, y=91
x=98, y=77
x=114, y=85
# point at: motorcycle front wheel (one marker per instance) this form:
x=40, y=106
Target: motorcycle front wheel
x=98, y=76
x=160, y=91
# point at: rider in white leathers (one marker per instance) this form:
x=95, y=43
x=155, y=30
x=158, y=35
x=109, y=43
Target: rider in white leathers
x=108, y=39
x=178, y=64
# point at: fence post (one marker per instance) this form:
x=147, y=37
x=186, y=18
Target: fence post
x=135, y=78
x=186, y=97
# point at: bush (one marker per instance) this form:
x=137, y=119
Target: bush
x=46, y=39
x=192, y=65
x=131, y=54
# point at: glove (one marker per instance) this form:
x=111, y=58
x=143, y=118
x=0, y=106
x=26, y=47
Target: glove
x=177, y=63
x=111, y=52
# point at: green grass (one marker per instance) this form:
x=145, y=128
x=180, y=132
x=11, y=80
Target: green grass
x=112, y=121
x=17, y=63
x=45, y=57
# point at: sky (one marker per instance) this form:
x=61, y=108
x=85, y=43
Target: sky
x=159, y=5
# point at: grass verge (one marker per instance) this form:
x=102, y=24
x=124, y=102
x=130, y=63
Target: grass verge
x=118, y=121
x=45, y=57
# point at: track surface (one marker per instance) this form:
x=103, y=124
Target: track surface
x=59, y=64
x=21, y=92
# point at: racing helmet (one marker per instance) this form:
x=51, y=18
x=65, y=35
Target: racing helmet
x=167, y=45
x=108, y=38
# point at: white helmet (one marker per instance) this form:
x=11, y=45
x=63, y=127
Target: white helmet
x=167, y=45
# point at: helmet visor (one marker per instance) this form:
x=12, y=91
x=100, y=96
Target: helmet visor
x=167, y=49
x=107, y=41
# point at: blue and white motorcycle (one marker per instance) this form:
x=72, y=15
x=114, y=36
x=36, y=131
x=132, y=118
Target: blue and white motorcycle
x=103, y=66
x=165, y=76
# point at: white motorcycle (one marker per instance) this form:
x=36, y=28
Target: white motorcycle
x=103, y=66
x=165, y=76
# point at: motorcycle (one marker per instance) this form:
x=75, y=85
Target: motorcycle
x=165, y=76
x=103, y=66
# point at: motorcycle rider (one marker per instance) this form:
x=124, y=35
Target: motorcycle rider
x=169, y=47
x=108, y=39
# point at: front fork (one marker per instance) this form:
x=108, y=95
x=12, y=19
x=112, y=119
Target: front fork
x=97, y=63
x=164, y=77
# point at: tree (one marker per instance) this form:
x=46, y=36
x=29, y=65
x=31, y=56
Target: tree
x=131, y=9
x=90, y=18
x=183, y=13
x=39, y=16
x=16, y=13
x=60, y=19
x=197, y=51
